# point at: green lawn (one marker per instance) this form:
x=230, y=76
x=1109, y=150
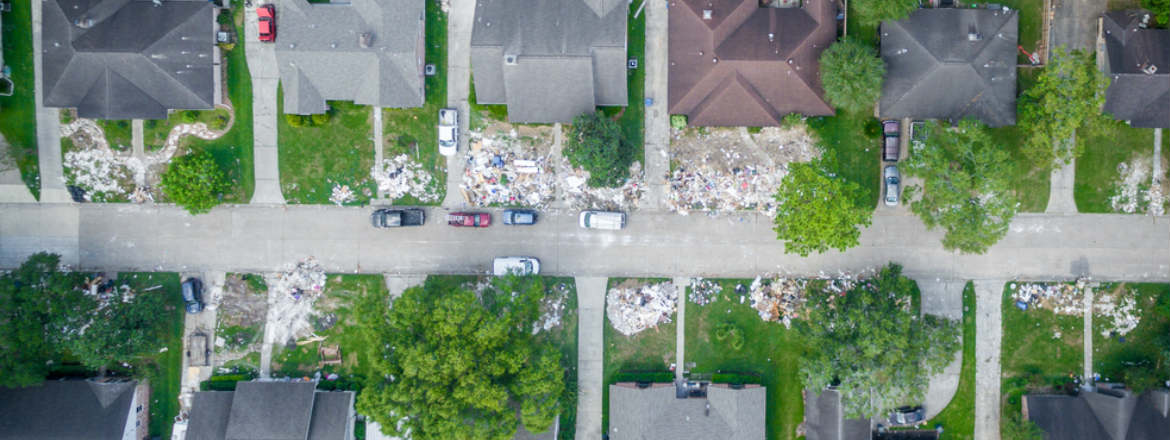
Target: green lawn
x=313, y=159
x=646, y=355
x=1030, y=185
x=155, y=131
x=632, y=117
x=958, y=418
x=413, y=131
x=339, y=289
x=851, y=142
x=1031, y=357
x=1103, y=148
x=1112, y=353
x=119, y=133
x=1031, y=23
x=18, y=121
x=482, y=113
x=770, y=352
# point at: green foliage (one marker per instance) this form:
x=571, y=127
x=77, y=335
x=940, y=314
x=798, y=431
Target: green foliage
x=189, y=116
x=729, y=334
x=966, y=186
x=1161, y=10
x=873, y=12
x=792, y=120
x=224, y=18
x=1067, y=95
x=256, y=283
x=852, y=74
x=678, y=122
x=320, y=119
x=816, y=211
x=872, y=343
x=40, y=307
x=454, y=364
x=1014, y=427
x=195, y=182
x=595, y=143
x=124, y=328
x=298, y=121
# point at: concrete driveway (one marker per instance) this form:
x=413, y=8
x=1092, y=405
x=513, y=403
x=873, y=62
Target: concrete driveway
x=1074, y=23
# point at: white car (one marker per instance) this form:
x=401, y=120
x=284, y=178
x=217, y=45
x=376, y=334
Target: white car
x=893, y=183
x=448, y=131
x=602, y=220
x=518, y=265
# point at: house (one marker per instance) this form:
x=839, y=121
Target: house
x=129, y=59
x=824, y=418
x=1108, y=412
x=734, y=63
x=686, y=411
x=549, y=60
x=366, y=51
x=1137, y=62
x=271, y=411
x=951, y=64
x=94, y=409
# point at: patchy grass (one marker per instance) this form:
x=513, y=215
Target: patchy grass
x=119, y=133
x=482, y=114
x=632, y=117
x=958, y=418
x=1032, y=359
x=1031, y=185
x=770, y=352
x=1111, y=354
x=651, y=351
x=314, y=159
x=414, y=131
x=565, y=338
x=18, y=120
x=1031, y=24
x=155, y=131
x=863, y=32
x=1104, y=147
x=851, y=145
x=303, y=360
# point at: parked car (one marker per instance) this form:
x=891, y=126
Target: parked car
x=602, y=220
x=907, y=416
x=469, y=219
x=192, y=289
x=267, y=22
x=519, y=217
x=893, y=182
x=393, y=218
x=448, y=131
x=891, y=140
x=517, y=265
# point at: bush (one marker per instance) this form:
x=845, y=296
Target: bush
x=320, y=119
x=195, y=182
x=227, y=47
x=224, y=17
x=678, y=122
x=296, y=121
x=189, y=116
x=1161, y=10
x=595, y=144
x=791, y=120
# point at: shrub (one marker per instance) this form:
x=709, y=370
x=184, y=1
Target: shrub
x=678, y=122
x=320, y=119
x=297, y=121
x=595, y=144
x=195, y=182
x=224, y=17
x=852, y=75
x=791, y=120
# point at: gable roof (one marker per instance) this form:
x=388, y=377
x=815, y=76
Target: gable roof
x=271, y=411
x=824, y=418
x=1109, y=414
x=128, y=59
x=66, y=410
x=655, y=413
x=320, y=53
x=747, y=65
x=551, y=60
x=1135, y=96
x=934, y=70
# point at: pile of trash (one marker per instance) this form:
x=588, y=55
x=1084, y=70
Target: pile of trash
x=633, y=309
x=1118, y=309
x=97, y=171
x=400, y=176
x=779, y=299
x=293, y=293
x=505, y=169
x=580, y=195
x=705, y=188
x=342, y=194
x=552, y=309
x=1128, y=195
x=704, y=291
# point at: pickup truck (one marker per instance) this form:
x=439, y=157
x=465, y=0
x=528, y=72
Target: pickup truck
x=448, y=131
x=393, y=218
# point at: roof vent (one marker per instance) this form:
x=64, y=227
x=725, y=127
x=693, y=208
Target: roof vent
x=366, y=39
x=510, y=60
x=1150, y=69
x=333, y=45
x=714, y=60
x=707, y=14
x=84, y=23
x=1145, y=21
x=771, y=37
x=973, y=35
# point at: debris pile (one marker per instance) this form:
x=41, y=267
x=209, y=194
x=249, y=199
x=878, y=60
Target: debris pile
x=1128, y=194
x=704, y=188
x=342, y=195
x=1117, y=309
x=98, y=171
x=633, y=309
x=400, y=176
x=1120, y=314
x=580, y=195
x=552, y=308
x=508, y=169
x=778, y=299
x=704, y=291
x=293, y=293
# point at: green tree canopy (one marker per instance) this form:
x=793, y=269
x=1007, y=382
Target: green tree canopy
x=852, y=75
x=454, y=364
x=872, y=343
x=872, y=12
x=125, y=325
x=1161, y=10
x=816, y=212
x=1068, y=95
x=195, y=182
x=595, y=144
x=40, y=308
x=966, y=186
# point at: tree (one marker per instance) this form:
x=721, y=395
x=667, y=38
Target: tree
x=872, y=12
x=872, y=343
x=1015, y=427
x=40, y=307
x=966, y=186
x=1068, y=95
x=452, y=363
x=1161, y=10
x=595, y=143
x=124, y=325
x=816, y=212
x=852, y=75
x=195, y=182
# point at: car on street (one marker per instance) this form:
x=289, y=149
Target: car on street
x=469, y=219
x=891, y=140
x=517, y=265
x=907, y=416
x=608, y=220
x=893, y=182
x=519, y=217
x=266, y=15
x=192, y=290
x=394, y=218
x=448, y=131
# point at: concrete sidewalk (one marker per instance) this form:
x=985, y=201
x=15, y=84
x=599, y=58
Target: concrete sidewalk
x=590, y=382
x=1061, y=198
x=48, y=125
x=657, y=124
x=988, y=342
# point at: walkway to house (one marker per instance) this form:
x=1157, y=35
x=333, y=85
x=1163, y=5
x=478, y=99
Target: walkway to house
x=590, y=361
x=680, y=339
x=1061, y=187
x=1087, y=377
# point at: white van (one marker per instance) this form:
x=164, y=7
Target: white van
x=603, y=220
x=518, y=265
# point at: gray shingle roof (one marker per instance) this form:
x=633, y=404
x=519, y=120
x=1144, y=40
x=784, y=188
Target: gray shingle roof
x=271, y=411
x=124, y=59
x=212, y=410
x=935, y=71
x=321, y=58
x=567, y=56
x=824, y=419
x=1135, y=96
x=1100, y=416
x=655, y=413
x=331, y=416
x=66, y=410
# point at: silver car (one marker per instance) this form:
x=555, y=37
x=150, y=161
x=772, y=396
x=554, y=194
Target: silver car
x=893, y=182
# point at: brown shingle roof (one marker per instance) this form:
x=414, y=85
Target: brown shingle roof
x=747, y=65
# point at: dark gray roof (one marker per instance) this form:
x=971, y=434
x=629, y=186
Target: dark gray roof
x=271, y=411
x=1135, y=96
x=935, y=71
x=655, y=413
x=321, y=58
x=824, y=418
x=124, y=59
x=331, y=415
x=551, y=60
x=211, y=410
x=1101, y=416
x=66, y=410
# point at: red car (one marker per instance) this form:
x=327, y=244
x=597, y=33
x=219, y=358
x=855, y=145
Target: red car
x=267, y=16
x=469, y=219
